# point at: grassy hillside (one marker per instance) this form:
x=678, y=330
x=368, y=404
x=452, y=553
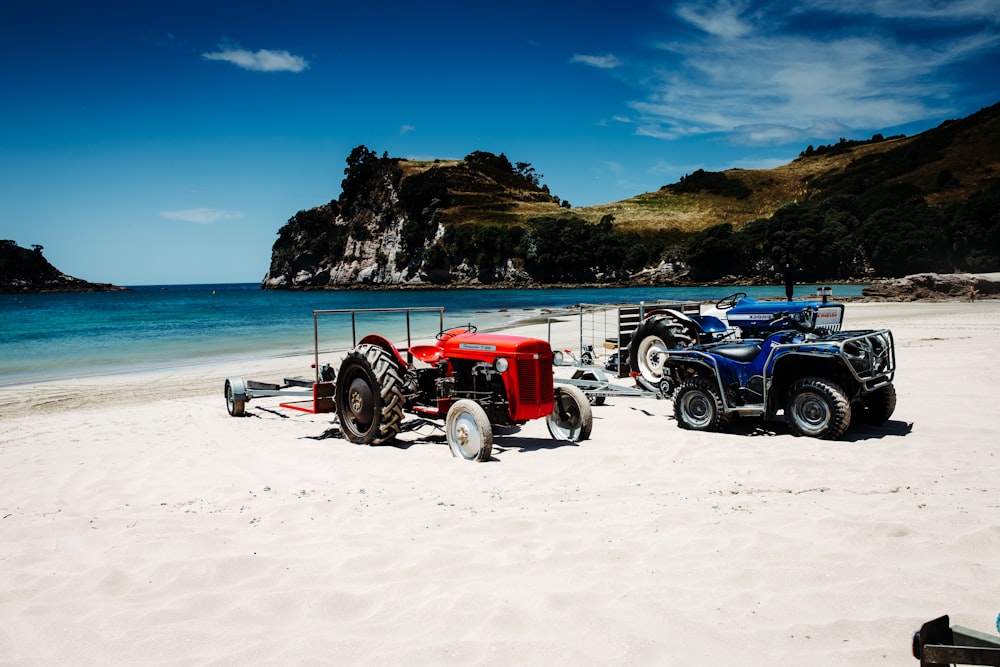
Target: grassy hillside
x=967, y=149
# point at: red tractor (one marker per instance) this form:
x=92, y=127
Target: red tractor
x=472, y=381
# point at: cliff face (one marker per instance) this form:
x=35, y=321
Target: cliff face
x=389, y=225
x=26, y=271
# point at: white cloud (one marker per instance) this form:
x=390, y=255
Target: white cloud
x=724, y=18
x=777, y=73
x=607, y=61
x=949, y=11
x=406, y=129
x=203, y=216
x=262, y=60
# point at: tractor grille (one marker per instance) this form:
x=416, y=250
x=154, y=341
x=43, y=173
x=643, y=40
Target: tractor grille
x=534, y=381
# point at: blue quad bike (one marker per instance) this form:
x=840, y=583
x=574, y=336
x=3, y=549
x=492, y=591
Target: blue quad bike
x=792, y=360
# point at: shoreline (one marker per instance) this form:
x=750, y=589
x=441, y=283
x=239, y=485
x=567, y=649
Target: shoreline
x=197, y=377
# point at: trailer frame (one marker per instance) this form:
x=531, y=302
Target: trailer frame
x=320, y=389
x=588, y=375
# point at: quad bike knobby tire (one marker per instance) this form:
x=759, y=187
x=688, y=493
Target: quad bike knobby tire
x=698, y=406
x=369, y=396
x=817, y=408
x=571, y=417
x=652, y=339
x=468, y=431
x=877, y=407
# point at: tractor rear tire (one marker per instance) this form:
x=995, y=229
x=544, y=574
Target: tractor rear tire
x=878, y=406
x=369, y=396
x=468, y=431
x=817, y=408
x=652, y=339
x=571, y=419
x=698, y=406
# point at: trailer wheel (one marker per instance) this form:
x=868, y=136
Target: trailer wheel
x=652, y=340
x=236, y=398
x=698, y=406
x=590, y=375
x=878, y=406
x=571, y=417
x=817, y=408
x=369, y=396
x=468, y=431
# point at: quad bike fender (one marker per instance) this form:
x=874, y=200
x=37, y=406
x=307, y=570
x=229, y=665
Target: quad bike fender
x=381, y=341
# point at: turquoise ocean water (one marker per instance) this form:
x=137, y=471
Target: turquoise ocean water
x=59, y=336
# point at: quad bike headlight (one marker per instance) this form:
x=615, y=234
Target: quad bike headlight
x=502, y=364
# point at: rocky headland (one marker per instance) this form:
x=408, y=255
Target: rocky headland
x=24, y=271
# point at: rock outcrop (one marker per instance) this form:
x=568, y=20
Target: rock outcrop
x=935, y=287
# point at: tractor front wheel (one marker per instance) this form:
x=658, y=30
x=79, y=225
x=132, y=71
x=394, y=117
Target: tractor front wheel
x=817, y=408
x=468, y=431
x=571, y=417
x=369, y=396
x=698, y=406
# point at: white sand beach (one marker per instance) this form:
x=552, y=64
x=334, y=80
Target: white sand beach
x=140, y=524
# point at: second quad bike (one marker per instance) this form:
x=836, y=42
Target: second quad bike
x=473, y=381
x=665, y=329
x=820, y=379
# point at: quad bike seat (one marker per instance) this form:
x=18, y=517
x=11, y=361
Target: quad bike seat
x=737, y=351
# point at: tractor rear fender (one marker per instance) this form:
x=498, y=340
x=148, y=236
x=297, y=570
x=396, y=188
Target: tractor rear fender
x=381, y=341
x=710, y=324
x=700, y=323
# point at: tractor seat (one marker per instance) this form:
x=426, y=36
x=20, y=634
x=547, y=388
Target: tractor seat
x=429, y=354
x=736, y=351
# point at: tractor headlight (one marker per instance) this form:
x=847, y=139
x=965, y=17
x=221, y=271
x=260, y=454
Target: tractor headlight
x=502, y=364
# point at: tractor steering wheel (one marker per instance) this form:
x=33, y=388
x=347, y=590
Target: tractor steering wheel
x=445, y=334
x=728, y=302
x=803, y=322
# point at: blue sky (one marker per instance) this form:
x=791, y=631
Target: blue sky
x=167, y=142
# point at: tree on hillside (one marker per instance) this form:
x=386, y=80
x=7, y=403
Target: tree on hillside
x=715, y=252
x=911, y=238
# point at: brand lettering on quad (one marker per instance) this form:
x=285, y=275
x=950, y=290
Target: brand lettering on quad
x=477, y=346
